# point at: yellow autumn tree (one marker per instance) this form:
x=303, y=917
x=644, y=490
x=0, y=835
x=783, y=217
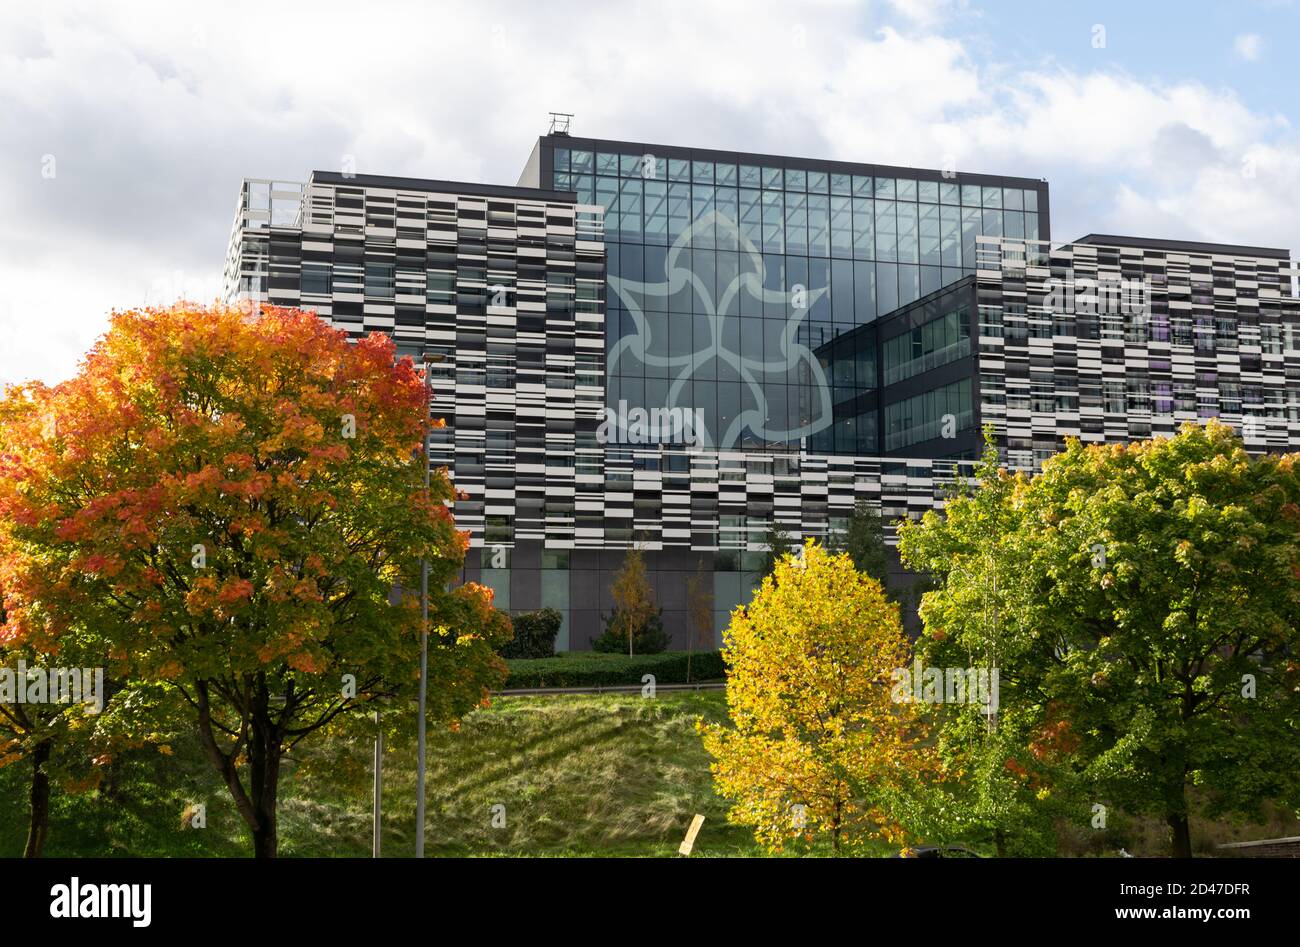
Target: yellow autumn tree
x=816, y=746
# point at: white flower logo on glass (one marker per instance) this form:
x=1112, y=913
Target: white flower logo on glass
x=796, y=364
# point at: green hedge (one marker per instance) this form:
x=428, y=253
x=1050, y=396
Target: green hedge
x=591, y=669
x=534, y=634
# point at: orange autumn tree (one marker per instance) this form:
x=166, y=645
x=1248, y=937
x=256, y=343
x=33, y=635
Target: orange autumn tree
x=59, y=712
x=816, y=744
x=230, y=497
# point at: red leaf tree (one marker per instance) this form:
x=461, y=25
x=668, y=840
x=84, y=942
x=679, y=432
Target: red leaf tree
x=229, y=497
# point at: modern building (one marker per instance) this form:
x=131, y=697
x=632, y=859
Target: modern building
x=677, y=348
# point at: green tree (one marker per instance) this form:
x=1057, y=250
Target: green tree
x=777, y=543
x=1147, y=611
x=982, y=615
x=57, y=739
x=864, y=540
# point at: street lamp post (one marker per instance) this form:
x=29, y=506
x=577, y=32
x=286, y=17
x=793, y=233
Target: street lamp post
x=424, y=638
x=377, y=808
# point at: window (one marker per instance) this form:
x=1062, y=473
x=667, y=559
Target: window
x=773, y=222
x=751, y=217
x=841, y=219
x=796, y=222
x=929, y=415
x=656, y=212
x=1113, y=393
x=1162, y=397
x=907, y=233
x=818, y=225
x=1230, y=397
x=927, y=346
x=440, y=287
x=864, y=231
x=1225, y=333
x=316, y=279
x=886, y=231
x=929, y=231
x=379, y=280
x=1138, y=392
x=628, y=224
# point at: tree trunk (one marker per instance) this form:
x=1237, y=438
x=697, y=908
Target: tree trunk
x=39, y=796
x=264, y=838
x=264, y=779
x=1180, y=826
x=110, y=786
x=256, y=804
x=1176, y=814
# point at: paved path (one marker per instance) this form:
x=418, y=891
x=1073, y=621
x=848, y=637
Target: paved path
x=607, y=689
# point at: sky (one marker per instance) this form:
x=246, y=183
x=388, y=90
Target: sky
x=125, y=129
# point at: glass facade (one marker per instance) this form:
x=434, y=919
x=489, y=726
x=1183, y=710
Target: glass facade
x=929, y=345
x=731, y=280
x=922, y=349
x=923, y=417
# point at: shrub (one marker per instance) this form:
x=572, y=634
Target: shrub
x=534, y=634
x=649, y=638
x=588, y=669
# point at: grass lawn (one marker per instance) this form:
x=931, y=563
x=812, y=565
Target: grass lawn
x=577, y=775
x=609, y=774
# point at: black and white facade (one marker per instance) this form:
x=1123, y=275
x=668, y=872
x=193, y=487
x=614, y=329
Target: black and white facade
x=679, y=351
x=1114, y=339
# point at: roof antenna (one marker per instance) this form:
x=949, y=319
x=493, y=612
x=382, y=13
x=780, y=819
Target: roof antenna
x=560, y=123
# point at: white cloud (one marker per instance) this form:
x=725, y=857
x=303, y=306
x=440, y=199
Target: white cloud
x=1248, y=46
x=154, y=115
x=1232, y=203
x=923, y=13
